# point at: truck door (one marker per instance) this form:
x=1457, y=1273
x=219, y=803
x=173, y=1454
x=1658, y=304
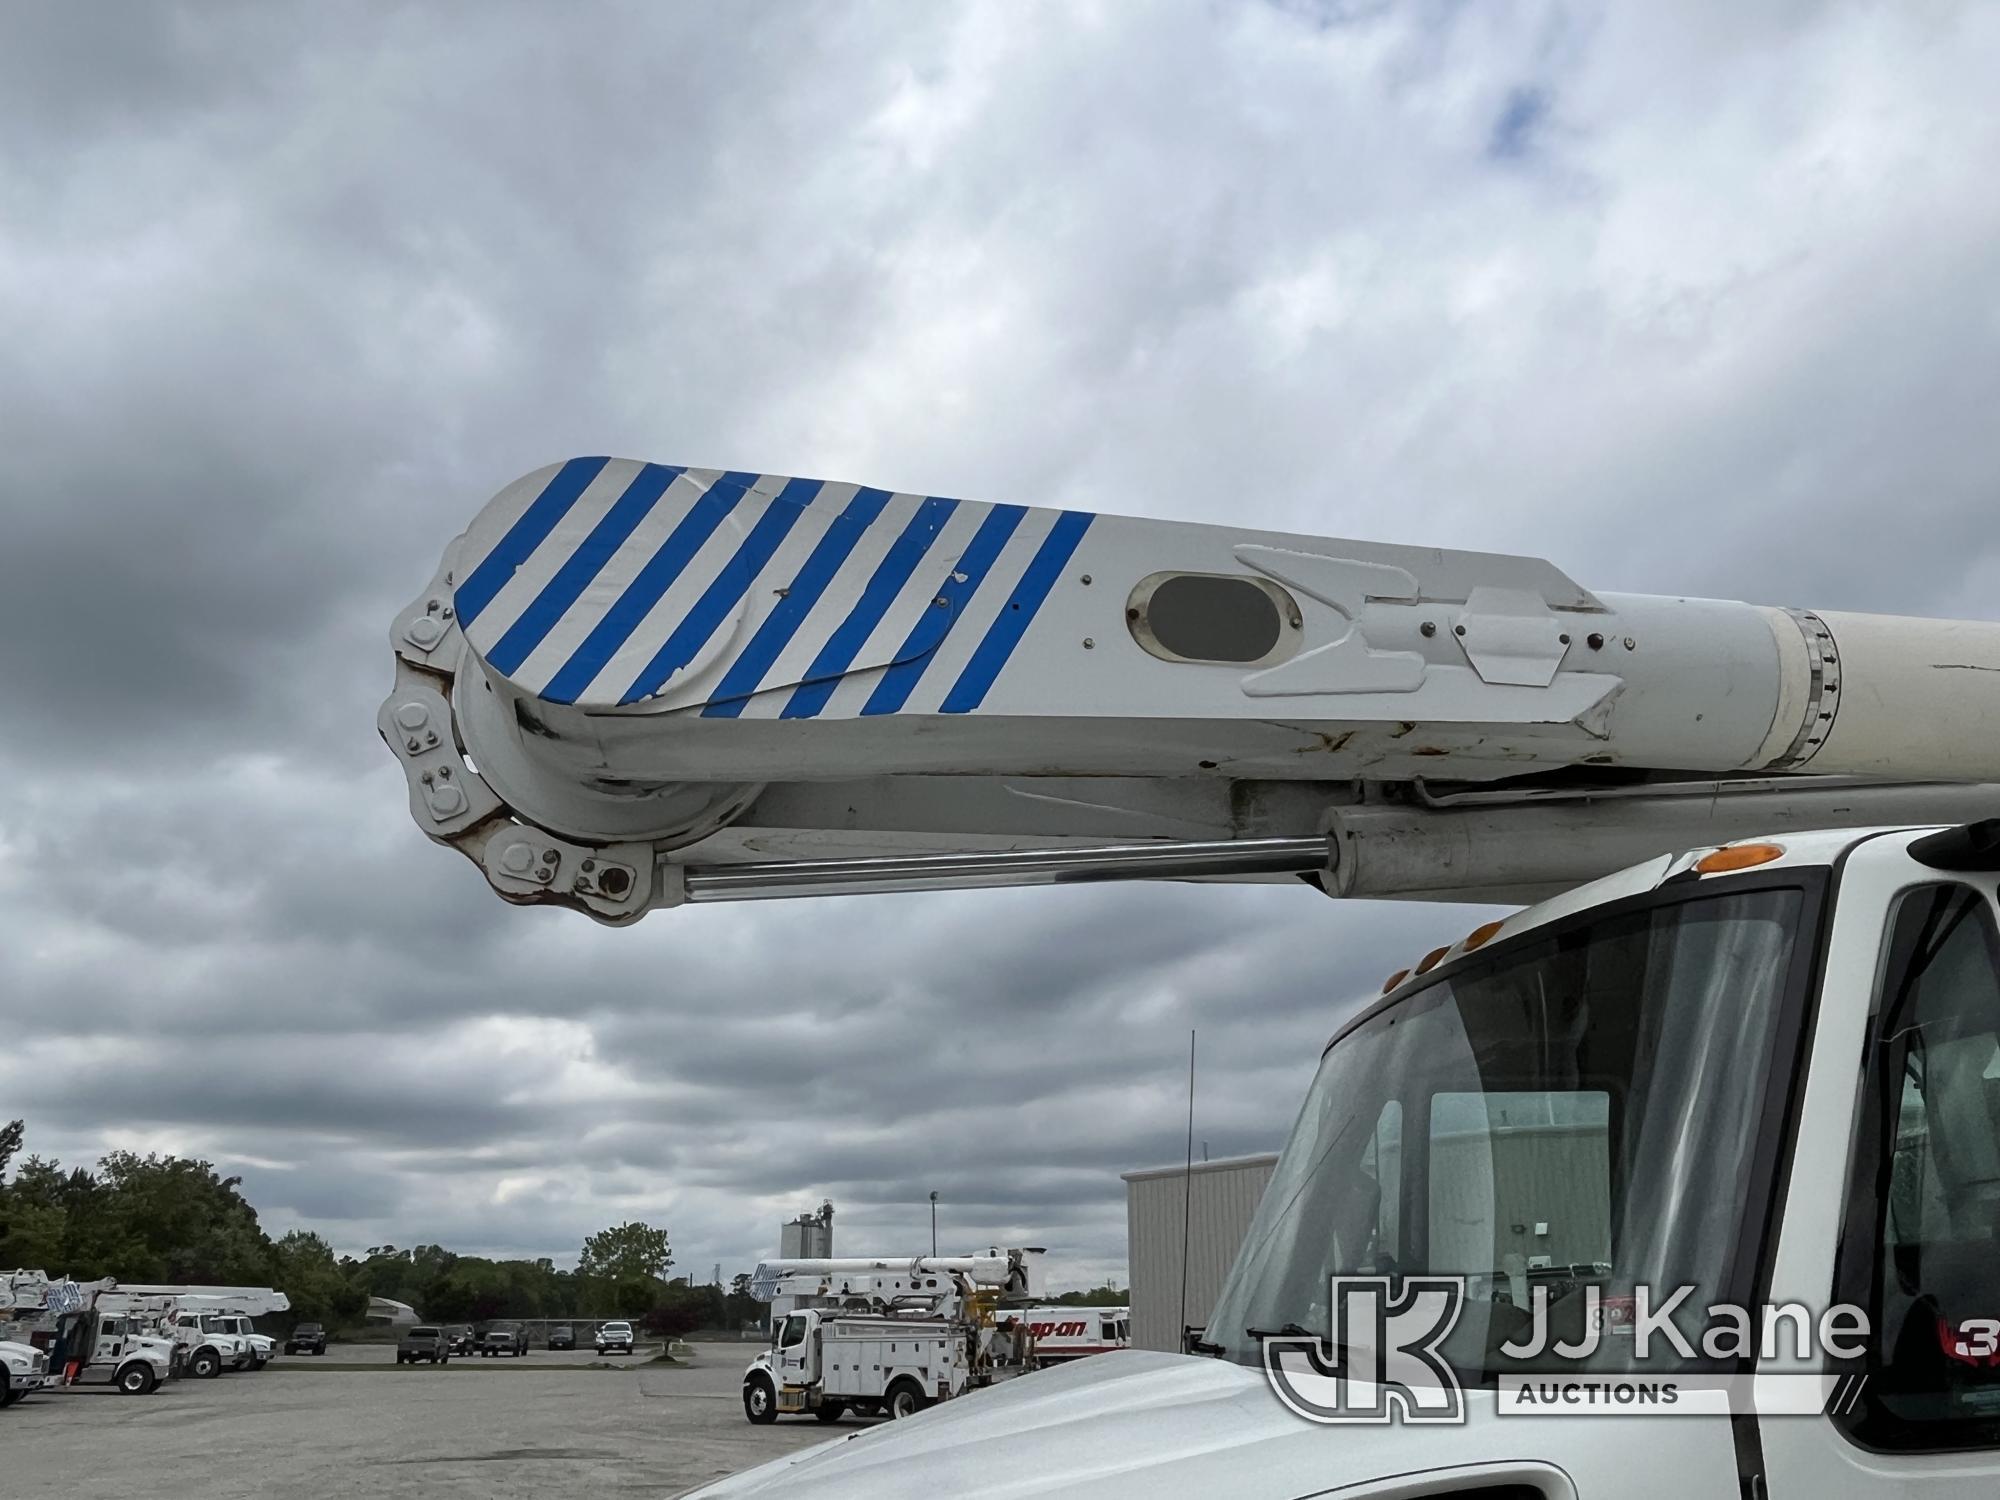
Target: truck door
x=797, y=1349
x=1914, y=1205
x=111, y=1338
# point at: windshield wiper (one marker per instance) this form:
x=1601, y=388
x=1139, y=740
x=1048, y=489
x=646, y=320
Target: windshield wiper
x=1202, y=1346
x=1290, y=1330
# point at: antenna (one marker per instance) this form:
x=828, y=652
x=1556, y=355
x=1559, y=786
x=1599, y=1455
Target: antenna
x=1187, y=1189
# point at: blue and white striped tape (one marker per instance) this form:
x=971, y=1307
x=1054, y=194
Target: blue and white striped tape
x=604, y=579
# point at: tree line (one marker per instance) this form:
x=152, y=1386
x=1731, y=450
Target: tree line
x=169, y=1219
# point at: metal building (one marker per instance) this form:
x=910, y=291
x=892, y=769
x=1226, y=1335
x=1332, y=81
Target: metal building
x=1218, y=1200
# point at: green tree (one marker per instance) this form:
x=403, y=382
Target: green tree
x=33, y=1218
x=1103, y=1296
x=739, y=1307
x=304, y=1269
x=180, y=1221
x=627, y=1251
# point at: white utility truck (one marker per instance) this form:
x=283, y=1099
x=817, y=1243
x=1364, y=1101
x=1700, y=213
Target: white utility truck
x=90, y=1338
x=885, y=1336
x=263, y=1348
x=210, y=1322
x=1746, y=1042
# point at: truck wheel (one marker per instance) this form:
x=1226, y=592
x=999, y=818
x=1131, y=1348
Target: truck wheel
x=136, y=1380
x=760, y=1402
x=831, y=1412
x=906, y=1399
x=8, y=1395
x=205, y=1365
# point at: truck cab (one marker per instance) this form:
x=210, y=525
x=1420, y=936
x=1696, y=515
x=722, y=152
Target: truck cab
x=94, y=1347
x=212, y=1342
x=262, y=1346
x=24, y=1369
x=1769, y=1072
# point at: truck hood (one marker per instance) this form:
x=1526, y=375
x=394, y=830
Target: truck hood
x=1139, y=1425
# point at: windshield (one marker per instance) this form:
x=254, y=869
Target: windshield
x=1580, y=1111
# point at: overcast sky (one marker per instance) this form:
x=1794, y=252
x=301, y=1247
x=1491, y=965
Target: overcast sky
x=1690, y=306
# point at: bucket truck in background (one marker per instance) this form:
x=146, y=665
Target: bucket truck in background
x=83, y=1334
x=211, y=1323
x=887, y=1336
x=1745, y=1042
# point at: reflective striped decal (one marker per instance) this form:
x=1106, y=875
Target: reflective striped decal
x=823, y=676
x=1005, y=633
x=746, y=673
x=584, y=564
x=608, y=582
x=894, y=690
x=524, y=536
x=781, y=514
x=644, y=591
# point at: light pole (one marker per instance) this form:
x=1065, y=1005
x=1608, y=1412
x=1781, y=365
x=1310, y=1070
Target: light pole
x=933, y=1223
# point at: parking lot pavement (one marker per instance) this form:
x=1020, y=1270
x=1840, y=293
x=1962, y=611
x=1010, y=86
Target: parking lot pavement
x=548, y=1424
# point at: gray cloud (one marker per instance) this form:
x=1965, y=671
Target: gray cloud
x=1686, y=303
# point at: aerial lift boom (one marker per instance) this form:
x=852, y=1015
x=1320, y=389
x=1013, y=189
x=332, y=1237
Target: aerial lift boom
x=634, y=685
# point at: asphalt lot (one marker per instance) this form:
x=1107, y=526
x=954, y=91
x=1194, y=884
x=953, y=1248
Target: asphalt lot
x=353, y=1424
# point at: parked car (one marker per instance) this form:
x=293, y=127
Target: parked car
x=504, y=1342
x=306, y=1338
x=614, y=1336
x=562, y=1336
x=425, y=1343
x=463, y=1339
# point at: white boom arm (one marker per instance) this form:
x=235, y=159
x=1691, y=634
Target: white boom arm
x=251, y=1301
x=633, y=685
x=1011, y=1272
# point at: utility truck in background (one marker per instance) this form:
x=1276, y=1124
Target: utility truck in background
x=887, y=1337
x=1744, y=1041
x=211, y=1323
x=80, y=1334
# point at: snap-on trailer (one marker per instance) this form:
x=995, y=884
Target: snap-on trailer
x=1060, y=1333
x=1743, y=1041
